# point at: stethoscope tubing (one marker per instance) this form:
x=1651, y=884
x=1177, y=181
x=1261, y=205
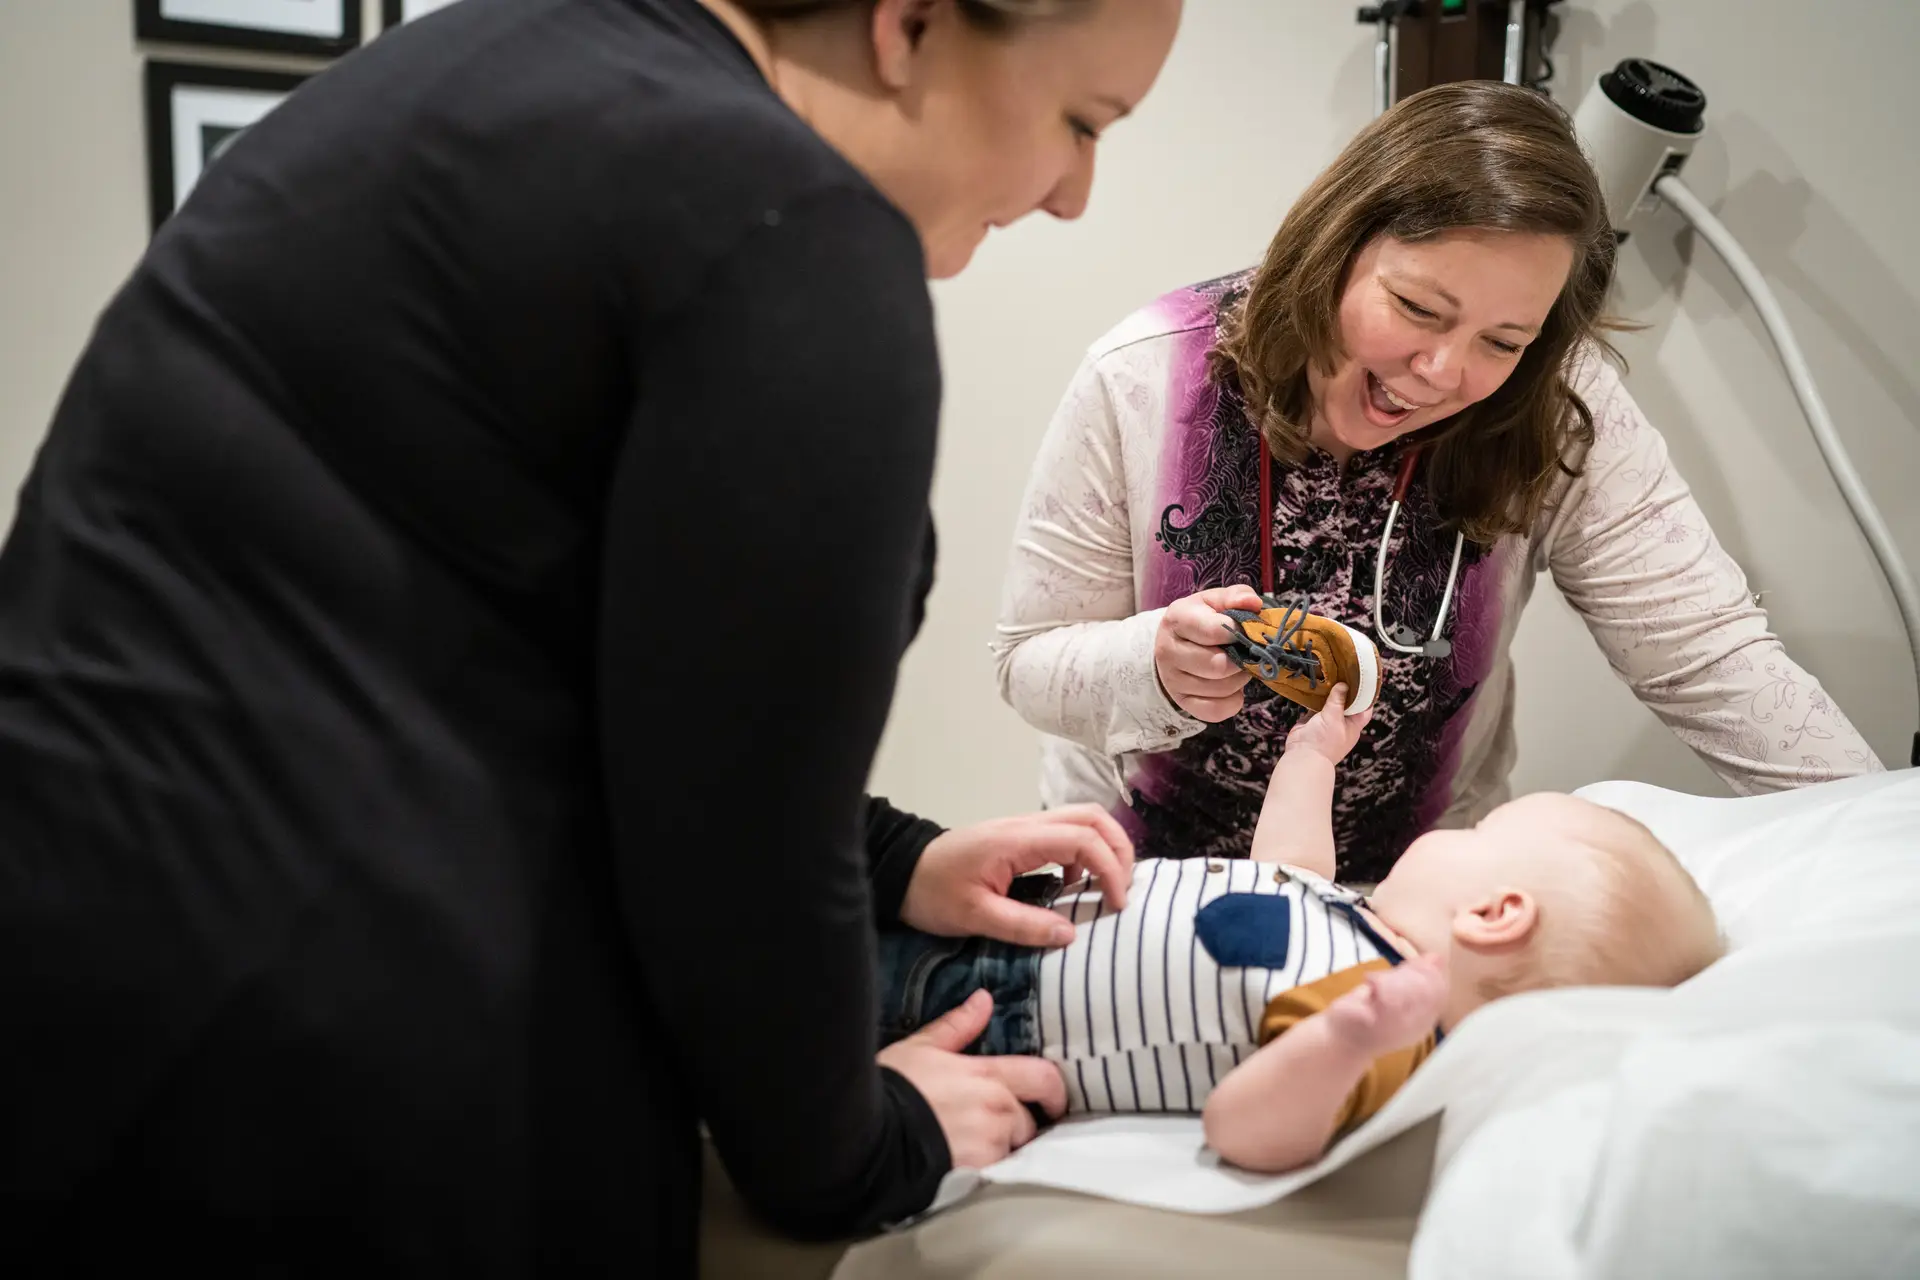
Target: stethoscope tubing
x=1402, y=482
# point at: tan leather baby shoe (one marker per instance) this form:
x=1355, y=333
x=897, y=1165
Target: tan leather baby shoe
x=1301, y=655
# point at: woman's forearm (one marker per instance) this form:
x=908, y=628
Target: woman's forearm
x=1634, y=555
x=1073, y=648
x=1091, y=682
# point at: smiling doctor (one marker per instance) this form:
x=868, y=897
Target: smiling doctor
x=1399, y=420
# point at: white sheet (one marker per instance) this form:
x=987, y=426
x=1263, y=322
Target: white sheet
x=1763, y=1119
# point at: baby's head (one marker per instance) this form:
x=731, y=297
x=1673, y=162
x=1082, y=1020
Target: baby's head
x=1549, y=891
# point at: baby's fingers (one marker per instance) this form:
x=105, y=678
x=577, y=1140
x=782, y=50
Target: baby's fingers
x=1408, y=984
x=1359, y=1002
x=1421, y=970
x=1400, y=1000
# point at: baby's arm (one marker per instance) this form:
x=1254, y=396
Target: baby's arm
x=1277, y=1110
x=1296, y=820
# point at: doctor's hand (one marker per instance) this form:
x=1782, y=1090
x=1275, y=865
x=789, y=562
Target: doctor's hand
x=1201, y=679
x=979, y=1101
x=959, y=888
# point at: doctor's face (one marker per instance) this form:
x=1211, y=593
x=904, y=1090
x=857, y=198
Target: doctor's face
x=1430, y=327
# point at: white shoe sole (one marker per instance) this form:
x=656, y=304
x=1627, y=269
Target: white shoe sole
x=1369, y=658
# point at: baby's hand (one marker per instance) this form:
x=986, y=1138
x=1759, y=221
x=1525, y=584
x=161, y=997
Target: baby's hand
x=1395, y=1009
x=1330, y=732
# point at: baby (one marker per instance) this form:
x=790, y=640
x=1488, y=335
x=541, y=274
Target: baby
x=1288, y=1008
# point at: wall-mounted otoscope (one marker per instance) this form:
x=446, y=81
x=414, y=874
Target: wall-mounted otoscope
x=1639, y=124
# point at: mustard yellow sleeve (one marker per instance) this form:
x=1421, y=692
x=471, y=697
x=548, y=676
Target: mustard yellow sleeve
x=1384, y=1074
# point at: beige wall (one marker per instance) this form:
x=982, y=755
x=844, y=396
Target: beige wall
x=73, y=191
x=1820, y=184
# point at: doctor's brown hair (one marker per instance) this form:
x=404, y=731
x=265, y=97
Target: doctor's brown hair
x=1469, y=155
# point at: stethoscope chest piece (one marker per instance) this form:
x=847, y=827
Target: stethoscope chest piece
x=1405, y=639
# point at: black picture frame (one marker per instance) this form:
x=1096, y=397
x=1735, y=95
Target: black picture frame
x=393, y=13
x=151, y=23
x=162, y=79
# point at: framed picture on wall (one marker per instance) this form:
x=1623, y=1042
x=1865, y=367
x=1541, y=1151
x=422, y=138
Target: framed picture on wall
x=194, y=113
x=395, y=12
x=319, y=28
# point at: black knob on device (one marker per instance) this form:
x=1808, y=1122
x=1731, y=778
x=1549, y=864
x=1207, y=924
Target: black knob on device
x=1656, y=95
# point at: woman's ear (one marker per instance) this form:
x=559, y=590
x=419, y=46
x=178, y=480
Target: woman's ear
x=1502, y=921
x=898, y=28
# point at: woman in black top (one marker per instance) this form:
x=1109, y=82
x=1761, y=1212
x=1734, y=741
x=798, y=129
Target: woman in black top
x=447, y=629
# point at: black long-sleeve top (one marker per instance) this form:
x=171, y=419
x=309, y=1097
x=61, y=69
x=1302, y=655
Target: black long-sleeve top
x=443, y=641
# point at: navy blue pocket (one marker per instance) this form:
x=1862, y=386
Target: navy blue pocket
x=1246, y=930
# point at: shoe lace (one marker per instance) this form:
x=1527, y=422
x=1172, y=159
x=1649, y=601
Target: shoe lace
x=1287, y=650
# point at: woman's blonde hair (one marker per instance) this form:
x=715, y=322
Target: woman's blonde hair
x=989, y=15
x=1470, y=155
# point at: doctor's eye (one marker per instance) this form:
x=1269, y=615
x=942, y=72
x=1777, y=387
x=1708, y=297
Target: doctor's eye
x=1414, y=309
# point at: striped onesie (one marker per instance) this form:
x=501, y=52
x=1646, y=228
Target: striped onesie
x=1151, y=1006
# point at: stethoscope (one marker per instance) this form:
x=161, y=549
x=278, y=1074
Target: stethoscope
x=1400, y=637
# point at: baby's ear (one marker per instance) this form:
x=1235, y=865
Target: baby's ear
x=1504, y=920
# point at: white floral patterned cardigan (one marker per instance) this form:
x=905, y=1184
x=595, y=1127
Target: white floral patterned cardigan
x=1145, y=491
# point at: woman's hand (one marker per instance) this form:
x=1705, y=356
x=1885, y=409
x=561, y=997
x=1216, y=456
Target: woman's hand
x=959, y=888
x=1202, y=681
x=979, y=1101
